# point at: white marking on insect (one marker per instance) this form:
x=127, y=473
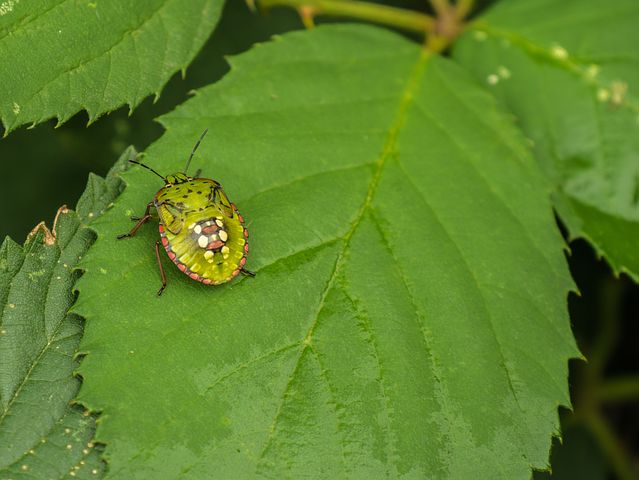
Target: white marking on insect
x=197, y=229
x=202, y=241
x=223, y=235
x=219, y=222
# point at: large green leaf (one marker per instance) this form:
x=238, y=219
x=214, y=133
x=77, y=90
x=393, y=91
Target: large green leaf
x=569, y=71
x=408, y=317
x=62, y=56
x=41, y=435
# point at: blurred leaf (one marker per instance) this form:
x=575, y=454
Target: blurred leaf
x=408, y=316
x=63, y=57
x=41, y=434
x=569, y=71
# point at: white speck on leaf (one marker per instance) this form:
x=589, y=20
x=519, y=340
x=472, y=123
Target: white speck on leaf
x=592, y=71
x=7, y=7
x=15, y=108
x=603, y=95
x=103, y=271
x=492, y=79
x=480, y=35
x=503, y=72
x=559, y=52
x=618, y=92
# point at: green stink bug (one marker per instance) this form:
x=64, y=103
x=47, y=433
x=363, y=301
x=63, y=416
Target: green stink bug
x=200, y=229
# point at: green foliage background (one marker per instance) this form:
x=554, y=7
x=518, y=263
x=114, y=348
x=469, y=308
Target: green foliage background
x=65, y=156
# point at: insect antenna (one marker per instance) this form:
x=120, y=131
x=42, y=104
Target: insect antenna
x=148, y=168
x=186, y=168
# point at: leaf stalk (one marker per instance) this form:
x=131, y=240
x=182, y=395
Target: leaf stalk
x=409, y=20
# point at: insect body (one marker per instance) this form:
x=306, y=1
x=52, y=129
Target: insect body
x=201, y=230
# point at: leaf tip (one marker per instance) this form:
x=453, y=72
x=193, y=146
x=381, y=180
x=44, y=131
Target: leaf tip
x=49, y=237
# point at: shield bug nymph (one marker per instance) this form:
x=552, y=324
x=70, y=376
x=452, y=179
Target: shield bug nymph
x=201, y=230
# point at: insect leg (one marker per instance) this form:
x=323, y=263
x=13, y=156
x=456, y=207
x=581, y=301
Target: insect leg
x=141, y=221
x=162, y=274
x=246, y=272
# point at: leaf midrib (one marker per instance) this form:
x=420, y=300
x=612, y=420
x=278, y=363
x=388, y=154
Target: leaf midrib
x=50, y=340
x=406, y=98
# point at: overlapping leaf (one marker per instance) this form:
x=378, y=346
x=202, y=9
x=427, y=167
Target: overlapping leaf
x=408, y=317
x=569, y=71
x=41, y=434
x=59, y=57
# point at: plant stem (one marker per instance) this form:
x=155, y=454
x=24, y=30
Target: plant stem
x=619, y=390
x=610, y=446
x=391, y=16
x=440, y=6
x=463, y=8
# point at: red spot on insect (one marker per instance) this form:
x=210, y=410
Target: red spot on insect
x=240, y=218
x=243, y=262
x=161, y=228
x=236, y=273
x=194, y=276
x=245, y=233
x=246, y=247
x=181, y=266
x=215, y=245
x=165, y=242
x=207, y=281
x=172, y=256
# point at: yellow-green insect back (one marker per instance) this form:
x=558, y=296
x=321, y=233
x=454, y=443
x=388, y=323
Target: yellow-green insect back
x=200, y=229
